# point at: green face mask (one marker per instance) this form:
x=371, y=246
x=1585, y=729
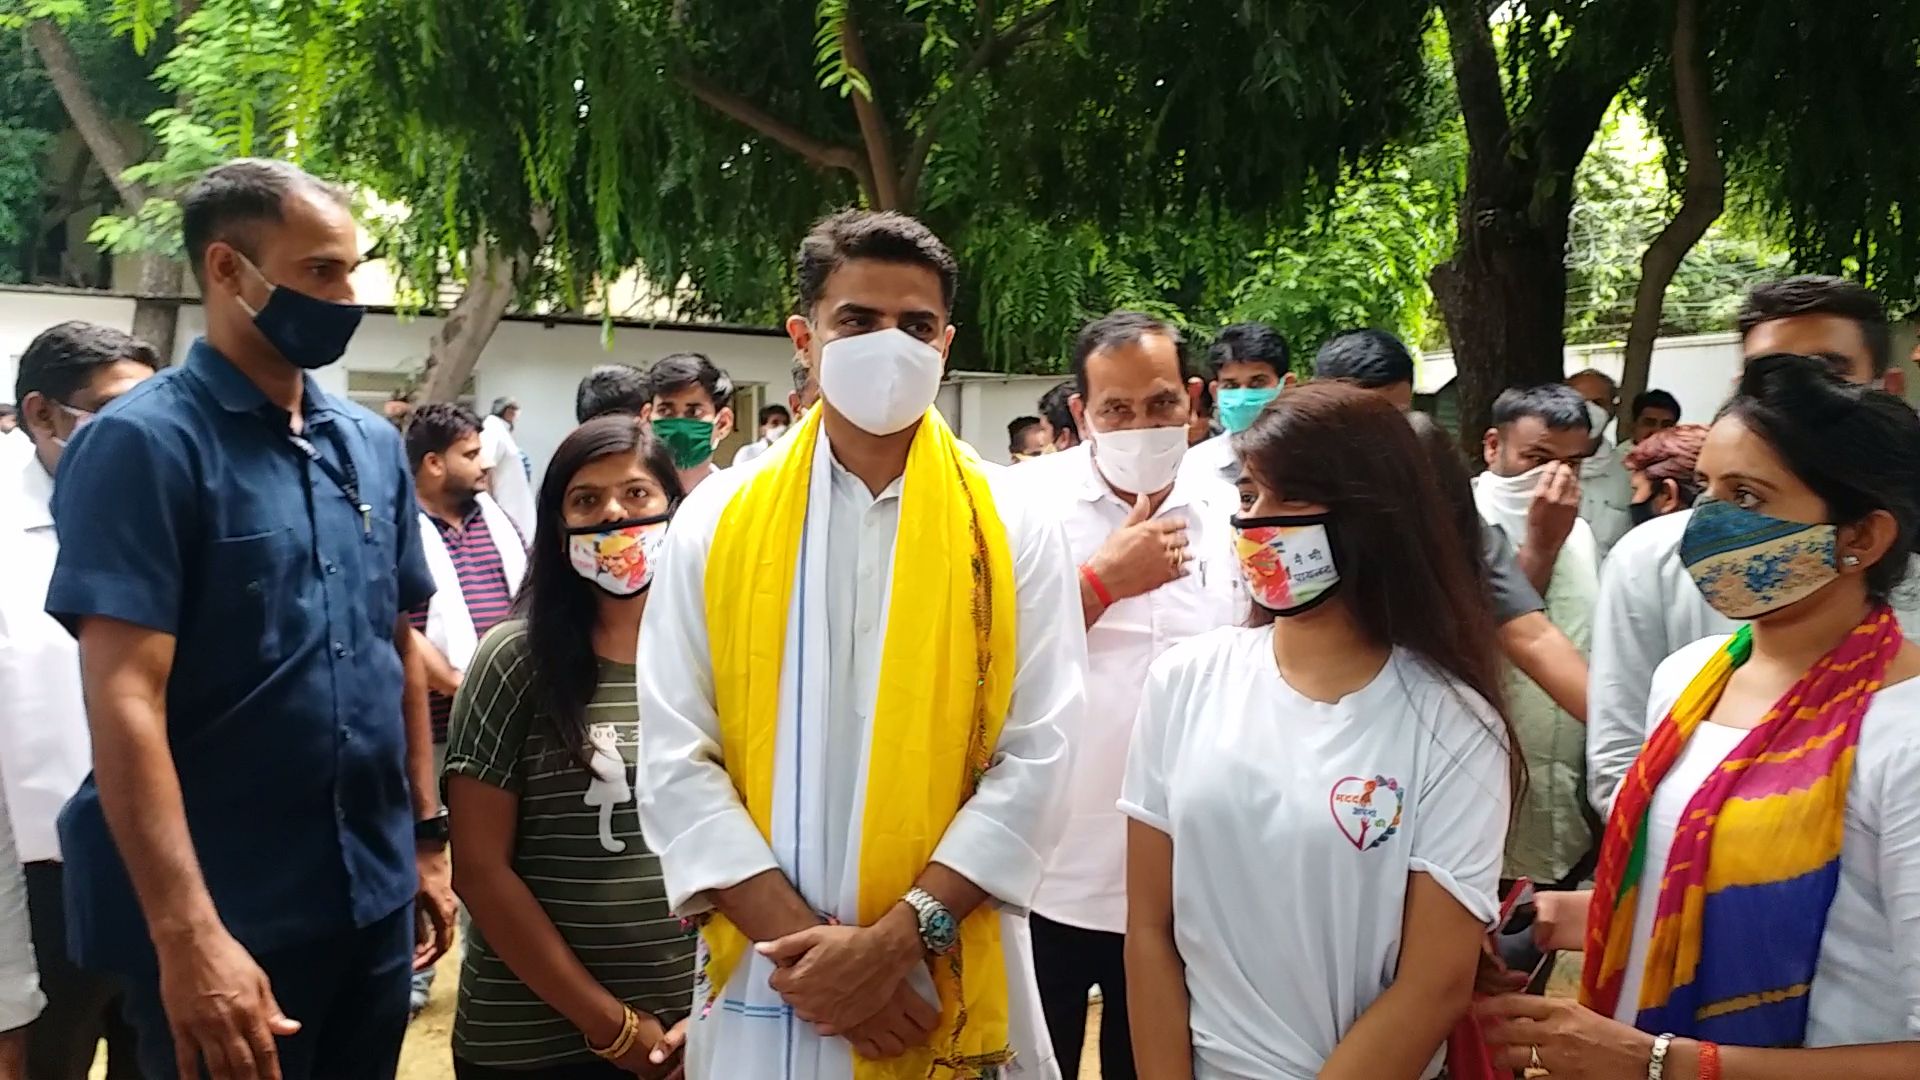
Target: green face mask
x=690, y=440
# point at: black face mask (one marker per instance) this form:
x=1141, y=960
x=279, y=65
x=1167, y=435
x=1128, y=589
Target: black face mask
x=1642, y=512
x=310, y=332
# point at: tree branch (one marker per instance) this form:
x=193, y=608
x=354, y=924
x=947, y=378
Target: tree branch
x=822, y=154
x=63, y=70
x=1704, y=193
x=994, y=48
x=885, y=187
x=1476, y=76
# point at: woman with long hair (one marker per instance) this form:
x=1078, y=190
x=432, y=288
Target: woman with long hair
x=1756, y=911
x=575, y=968
x=1332, y=782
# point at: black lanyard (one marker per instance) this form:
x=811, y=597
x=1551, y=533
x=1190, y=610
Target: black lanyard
x=348, y=482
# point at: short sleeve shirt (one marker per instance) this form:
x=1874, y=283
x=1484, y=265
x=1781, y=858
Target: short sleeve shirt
x=577, y=847
x=185, y=508
x=1295, y=826
x=1513, y=594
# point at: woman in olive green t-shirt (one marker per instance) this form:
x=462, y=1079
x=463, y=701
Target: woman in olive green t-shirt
x=575, y=968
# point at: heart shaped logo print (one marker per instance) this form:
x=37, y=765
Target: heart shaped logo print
x=1367, y=811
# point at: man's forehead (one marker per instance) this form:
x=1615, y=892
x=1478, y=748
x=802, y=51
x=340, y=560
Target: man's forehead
x=1144, y=366
x=891, y=288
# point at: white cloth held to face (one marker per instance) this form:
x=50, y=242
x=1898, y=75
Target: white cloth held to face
x=882, y=381
x=1140, y=460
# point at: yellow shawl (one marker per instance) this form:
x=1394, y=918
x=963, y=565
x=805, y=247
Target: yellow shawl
x=946, y=678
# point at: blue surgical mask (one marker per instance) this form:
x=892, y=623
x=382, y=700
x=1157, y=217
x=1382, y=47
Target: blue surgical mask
x=310, y=332
x=1239, y=407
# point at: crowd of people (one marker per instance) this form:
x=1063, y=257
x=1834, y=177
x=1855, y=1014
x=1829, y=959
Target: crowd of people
x=1238, y=704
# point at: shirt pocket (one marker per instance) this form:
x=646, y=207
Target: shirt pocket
x=250, y=581
x=380, y=561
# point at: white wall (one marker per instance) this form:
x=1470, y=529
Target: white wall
x=540, y=364
x=1698, y=370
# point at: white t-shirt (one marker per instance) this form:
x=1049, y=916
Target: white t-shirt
x=1295, y=825
x=1866, y=984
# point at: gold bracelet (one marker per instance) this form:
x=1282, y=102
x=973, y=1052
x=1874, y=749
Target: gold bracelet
x=629, y=1034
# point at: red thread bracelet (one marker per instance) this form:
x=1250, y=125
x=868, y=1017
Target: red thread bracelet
x=1709, y=1061
x=1099, y=587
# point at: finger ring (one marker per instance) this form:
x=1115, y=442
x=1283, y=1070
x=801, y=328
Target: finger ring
x=1534, y=1068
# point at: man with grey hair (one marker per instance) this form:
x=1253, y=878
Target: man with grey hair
x=509, y=472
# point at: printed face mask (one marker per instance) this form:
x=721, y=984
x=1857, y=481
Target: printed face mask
x=310, y=332
x=882, y=381
x=1239, y=407
x=1748, y=564
x=618, y=556
x=1287, y=561
x=690, y=440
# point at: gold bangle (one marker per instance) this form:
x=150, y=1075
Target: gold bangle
x=629, y=1034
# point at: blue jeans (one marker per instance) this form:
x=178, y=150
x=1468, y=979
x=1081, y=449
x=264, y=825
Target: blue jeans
x=349, y=993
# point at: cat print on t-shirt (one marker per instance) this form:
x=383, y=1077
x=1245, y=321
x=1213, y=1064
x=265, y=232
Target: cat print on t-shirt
x=609, y=787
x=1367, y=810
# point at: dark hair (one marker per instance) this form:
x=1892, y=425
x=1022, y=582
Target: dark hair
x=1857, y=448
x=1408, y=572
x=7, y=409
x=1455, y=485
x=1054, y=406
x=880, y=235
x=1248, y=343
x=1656, y=399
x=1114, y=329
x=802, y=375
x=434, y=427
x=1369, y=359
x=769, y=412
x=559, y=605
x=1818, y=294
x=231, y=200
x=1017, y=429
x=611, y=388
x=62, y=360
x=678, y=371
x=1557, y=405
x=1671, y=454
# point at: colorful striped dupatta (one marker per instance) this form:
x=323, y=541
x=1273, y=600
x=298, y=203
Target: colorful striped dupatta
x=1745, y=893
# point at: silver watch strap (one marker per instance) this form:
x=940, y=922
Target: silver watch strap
x=1657, y=1065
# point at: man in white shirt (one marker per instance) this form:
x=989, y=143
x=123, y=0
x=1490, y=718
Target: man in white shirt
x=1606, y=492
x=20, y=997
x=509, y=476
x=1157, y=567
x=767, y=726
x=66, y=375
x=1248, y=363
x=1531, y=492
x=1648, y=606
x=774, y=421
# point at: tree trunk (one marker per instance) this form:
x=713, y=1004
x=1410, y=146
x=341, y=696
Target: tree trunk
x=156, y=311
x=1704, y=194
x=1503, y=296
x=492, y=281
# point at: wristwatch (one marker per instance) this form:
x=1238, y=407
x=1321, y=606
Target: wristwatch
x=939, y=930
x=433, y=830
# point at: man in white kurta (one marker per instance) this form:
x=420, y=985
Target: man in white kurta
x=694, y=817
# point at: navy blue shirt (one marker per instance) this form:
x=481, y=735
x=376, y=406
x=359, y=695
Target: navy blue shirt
x=186, y=509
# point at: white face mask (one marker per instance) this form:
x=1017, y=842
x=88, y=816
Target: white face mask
x=1598, y=417
x=1506, y=499
x=1141, y=461
x=882, y=381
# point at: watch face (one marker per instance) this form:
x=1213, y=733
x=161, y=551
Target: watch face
x=940, y=930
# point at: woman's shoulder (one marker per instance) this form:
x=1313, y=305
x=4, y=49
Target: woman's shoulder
x=1446, y=707
x=1218, y=651
x=504, y=649
x=1674, y=673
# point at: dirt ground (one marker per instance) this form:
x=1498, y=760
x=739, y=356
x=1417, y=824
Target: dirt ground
x=427, y=1056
